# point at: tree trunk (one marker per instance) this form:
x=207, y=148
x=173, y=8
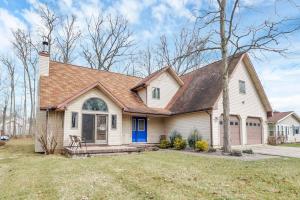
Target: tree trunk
x=31, y=102
x=10, y=109
x=226, y=108
x=4, y=117
x=15, y=114
x=34, y=101
x=25, y=103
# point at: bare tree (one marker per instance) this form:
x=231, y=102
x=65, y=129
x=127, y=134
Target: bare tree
x=225, y=31
x=148, y=60
x=66, y=41
x=8, y=63
x=108, y=40
x=4, y=110
x=26, y=52
x=183, y=52
x=49, y=21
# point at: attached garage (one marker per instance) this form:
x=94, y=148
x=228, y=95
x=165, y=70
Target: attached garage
x=254, y=130
x=235, y=132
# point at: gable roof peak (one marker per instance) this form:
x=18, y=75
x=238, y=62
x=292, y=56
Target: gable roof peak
x=145, y=81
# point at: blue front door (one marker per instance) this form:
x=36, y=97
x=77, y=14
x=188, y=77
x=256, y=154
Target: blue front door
x=139, y=129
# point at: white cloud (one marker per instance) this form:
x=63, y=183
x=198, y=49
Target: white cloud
x=130, y=9
x=8, y=22
x=280, y=77
x=175, y=8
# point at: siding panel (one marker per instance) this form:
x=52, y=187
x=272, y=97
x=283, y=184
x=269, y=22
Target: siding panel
x=186, y=123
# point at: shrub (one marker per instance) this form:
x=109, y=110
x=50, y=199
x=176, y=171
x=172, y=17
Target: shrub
x=202, y=145
x=179, y=144
x=236, y=153
x=211, y=150
x=173, y=136
x=271, y=140
x=193, y=138
x=248, y=151
x=162, y=137
x=164, y=144
x=2, y=143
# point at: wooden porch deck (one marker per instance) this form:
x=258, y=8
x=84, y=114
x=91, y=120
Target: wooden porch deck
x=93, y=150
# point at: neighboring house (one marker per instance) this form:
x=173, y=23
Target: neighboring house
x=115, y=109
x=286, y=124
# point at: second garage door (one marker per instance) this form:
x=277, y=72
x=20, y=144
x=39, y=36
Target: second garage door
x=254, y=131
x=234, y=131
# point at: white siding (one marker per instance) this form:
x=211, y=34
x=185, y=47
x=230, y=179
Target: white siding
x=186, y=123
x=168, y=88
x=242, y=105
x=55, y=128
x=127, y=129
x=44, y=65
x=143, y=94
x=40, y=125
x=114, y=135
x=289, y=122
x=156, y=128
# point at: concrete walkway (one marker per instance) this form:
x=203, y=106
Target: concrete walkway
x=293, y=152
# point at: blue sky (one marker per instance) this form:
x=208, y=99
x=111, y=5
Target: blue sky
x=149, y=19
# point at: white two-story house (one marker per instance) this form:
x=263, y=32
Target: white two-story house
x=114, y=109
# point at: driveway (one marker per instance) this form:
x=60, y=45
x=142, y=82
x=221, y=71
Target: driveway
x=293, y=152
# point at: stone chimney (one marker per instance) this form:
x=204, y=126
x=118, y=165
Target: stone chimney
x=44, y=60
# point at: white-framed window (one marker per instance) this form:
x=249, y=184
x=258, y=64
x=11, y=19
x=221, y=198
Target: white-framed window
x=296, y=130
x=155, y=93
x=113, y=121
x=74, y=120
x=242, y=87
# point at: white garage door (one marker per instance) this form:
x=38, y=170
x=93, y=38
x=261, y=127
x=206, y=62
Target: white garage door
x=254, y=130
x=234, y=130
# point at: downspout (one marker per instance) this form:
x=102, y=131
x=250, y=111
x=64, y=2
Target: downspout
x=211, y=131
x=47, y=116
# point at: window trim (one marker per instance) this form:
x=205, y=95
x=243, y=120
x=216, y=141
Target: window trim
x=116, y=117
x=76, y=120
x=242, y=91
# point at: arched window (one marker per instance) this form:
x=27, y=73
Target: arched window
x=95, y=104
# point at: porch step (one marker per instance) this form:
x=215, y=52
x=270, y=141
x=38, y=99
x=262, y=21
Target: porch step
x=101, y=150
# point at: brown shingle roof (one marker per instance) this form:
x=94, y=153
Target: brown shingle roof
x=199, y=91
x=65, y=81
x=277, y=116
x=201, y=88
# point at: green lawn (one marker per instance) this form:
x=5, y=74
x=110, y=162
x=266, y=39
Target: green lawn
x=291, y=145
x=150, y=175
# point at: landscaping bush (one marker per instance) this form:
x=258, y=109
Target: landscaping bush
x=236, y=153
x=248, y=151
x=164, y=144
x=179, y=143
x=211, y=150
x=271, y=140
x=193, y=138
x=202, y=145
x=162, y=137
x=2, y=143
x=173, y=136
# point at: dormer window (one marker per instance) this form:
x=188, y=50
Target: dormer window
x=155, y=93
